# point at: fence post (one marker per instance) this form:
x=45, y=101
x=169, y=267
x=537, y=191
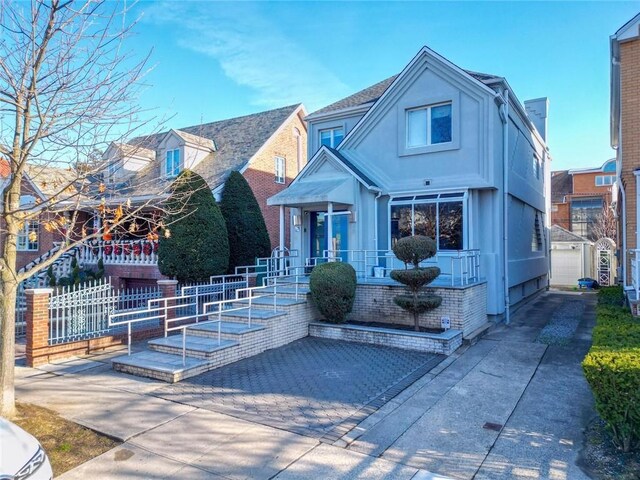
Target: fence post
x=37, y=320
x=168, y=289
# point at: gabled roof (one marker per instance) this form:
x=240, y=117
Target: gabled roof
x=560, y=234
x=195, y=139
x=355, y=170
x=561, y=185
x=135, y=150
x=236, y=141
x=374, y=92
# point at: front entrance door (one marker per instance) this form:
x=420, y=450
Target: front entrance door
x=319, y=234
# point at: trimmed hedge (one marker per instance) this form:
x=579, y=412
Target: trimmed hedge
x=333, y=290
x=611, y=296
x=248, y=235
x=612, y=368
x=195, y=244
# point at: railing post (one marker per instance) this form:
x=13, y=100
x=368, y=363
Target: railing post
x=37, y=319
x=168, y=289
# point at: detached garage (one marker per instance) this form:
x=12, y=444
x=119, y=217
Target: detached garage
x=571, y=257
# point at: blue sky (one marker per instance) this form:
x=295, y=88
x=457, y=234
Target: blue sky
x=215, y=60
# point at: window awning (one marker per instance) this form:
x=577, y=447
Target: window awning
x=309, y=192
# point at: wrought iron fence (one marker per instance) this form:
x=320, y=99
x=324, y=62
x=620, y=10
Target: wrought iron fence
x=82, y=312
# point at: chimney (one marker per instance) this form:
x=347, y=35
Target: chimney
x=537, y=112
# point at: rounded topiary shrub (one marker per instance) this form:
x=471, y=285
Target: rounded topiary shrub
x=413, y=250
x=333, y=290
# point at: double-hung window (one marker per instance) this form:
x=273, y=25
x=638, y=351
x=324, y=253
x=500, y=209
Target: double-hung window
x=172, y=165
x=440, y=217
x=429, y=125
x=28, y=236
x=331, y=137
x=280, y=166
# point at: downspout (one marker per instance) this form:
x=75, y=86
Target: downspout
x=623, y=240
x=504, y=115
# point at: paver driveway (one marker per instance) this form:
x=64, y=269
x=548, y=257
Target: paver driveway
x=316, y=387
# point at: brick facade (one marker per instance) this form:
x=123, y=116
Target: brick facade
x=261, y=171
x=630, y=143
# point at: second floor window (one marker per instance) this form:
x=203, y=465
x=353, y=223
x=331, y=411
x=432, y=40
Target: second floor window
x=280, y=170
x=28, y=237
x=602, y=180
x=172, y=166
x=429, y=125
x=331, y=137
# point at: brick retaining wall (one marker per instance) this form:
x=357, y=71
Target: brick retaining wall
x=466, y=306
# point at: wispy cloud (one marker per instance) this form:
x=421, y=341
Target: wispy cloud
x=252, y=51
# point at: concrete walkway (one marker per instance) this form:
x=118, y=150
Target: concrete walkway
x=506, y=407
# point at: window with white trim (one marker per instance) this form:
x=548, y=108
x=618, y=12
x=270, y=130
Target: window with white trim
x=27, y=240
x=172, y=163
x=438, y=216
x=331, y=137
x=429, y=125
x=280, y=166
x=604, y=180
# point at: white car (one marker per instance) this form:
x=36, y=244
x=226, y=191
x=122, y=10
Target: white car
x=21, y=455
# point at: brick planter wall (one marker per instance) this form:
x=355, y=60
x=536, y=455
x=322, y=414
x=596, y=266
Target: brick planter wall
x=466, y=306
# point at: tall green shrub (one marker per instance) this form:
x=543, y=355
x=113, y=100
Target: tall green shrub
x=248, y=235
x=612, y=368
x=194, y=245
x=411, y=251
x=333, y=290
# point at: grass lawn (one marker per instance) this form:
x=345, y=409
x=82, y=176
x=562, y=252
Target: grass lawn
x=67, y=444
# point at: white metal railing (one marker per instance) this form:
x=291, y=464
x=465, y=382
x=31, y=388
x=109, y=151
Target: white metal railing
x=185, y=310
x=273, y=266
x=79, y=312
x=634, y=255
x=120, y=252
x=460, y=266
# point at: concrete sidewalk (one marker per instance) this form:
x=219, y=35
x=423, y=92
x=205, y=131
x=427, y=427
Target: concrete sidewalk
x=506, y=407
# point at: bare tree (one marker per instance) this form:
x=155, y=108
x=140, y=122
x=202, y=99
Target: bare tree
x=68, y=89
x=605, y=225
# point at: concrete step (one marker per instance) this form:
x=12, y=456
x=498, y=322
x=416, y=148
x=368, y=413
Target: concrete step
x=161, y=366
x=268, y=302
x=228, y=330
x=196, y=346
x=289, y=291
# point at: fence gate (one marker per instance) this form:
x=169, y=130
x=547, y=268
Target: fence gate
x=605, y=260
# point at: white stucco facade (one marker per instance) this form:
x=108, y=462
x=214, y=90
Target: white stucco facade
x=373, y=178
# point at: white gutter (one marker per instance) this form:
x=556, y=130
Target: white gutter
x=504, y=115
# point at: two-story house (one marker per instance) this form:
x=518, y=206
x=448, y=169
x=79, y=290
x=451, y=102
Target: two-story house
x=625, y=139
x=579, y=197
x=435, y=150
x=268, y=148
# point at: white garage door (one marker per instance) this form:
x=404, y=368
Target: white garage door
x=565, y=267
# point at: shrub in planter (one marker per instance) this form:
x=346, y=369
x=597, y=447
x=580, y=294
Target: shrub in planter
x=411, y=251
x=612, y=368
x=333, y=290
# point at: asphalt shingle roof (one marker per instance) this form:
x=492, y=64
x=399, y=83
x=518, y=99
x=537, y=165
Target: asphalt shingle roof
x=560, y=234
x=374, y=92
x=561, y=185
x=236, y=140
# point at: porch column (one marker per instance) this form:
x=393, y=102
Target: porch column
x=329, y=220
x=281, y=245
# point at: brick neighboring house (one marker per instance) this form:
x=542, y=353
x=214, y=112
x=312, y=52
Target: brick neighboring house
x=625, y=139
x=268, y=148
x=578, y=197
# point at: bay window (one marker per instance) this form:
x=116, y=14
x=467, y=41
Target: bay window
x=440, y=217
